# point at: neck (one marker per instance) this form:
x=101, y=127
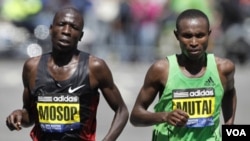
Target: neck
x=61, y=59
x=192, y=66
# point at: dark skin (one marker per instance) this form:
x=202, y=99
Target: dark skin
x=66, y=31
x=193, y=35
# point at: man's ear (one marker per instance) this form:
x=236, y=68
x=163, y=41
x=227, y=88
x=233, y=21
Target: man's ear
x=176, y=34
x=81, y=36
x=209, y=32
x=50, y=28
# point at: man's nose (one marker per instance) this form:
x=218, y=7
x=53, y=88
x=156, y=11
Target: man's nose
x=194, y=41
x=66, y=29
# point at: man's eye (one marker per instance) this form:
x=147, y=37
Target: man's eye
x=187, y=36
x=60, y=24
x=200, y=35
x=75, y=27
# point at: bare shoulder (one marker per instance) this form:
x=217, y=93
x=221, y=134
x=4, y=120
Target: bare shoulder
x=96, y=64
x=29, y=70
x=31, y=63
x=160, y=65
x=158, y=71
x=225, y=65
x=99, y=73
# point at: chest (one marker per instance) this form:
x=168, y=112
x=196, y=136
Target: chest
x=62, y=73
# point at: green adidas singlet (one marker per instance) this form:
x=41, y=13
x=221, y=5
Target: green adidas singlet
x=199, y=97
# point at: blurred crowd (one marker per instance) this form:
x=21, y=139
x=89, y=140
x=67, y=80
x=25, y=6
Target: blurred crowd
x=124, y=30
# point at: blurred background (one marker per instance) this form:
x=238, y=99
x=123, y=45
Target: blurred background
x=124, y=30
x=129, y=34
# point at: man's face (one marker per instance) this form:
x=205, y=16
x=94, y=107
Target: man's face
x=66, y=30
x=193, y=35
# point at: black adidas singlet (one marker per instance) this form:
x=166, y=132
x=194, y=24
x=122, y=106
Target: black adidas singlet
x=64, y=110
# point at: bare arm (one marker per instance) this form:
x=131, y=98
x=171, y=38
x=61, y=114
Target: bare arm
x=21, y=117
x=154, y=83
x=229, y=106
x=101, y=75
x=229, y=101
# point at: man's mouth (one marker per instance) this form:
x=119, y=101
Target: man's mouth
x=196, y=51
x=64, y=42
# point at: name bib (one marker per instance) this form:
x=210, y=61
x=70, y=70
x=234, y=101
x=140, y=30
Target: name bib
x=198, y=103
x=58, y=112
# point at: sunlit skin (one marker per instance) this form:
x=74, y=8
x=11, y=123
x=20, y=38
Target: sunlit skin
x=66, y=32
x=192, y=33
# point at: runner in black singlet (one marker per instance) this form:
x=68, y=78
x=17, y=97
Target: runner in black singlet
x=60, y=96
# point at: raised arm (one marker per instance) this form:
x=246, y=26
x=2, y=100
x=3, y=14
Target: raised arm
x=154, y=84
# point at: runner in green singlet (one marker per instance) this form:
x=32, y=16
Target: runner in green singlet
x=193, y=87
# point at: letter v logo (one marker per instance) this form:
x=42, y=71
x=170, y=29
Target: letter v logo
x=75, y=89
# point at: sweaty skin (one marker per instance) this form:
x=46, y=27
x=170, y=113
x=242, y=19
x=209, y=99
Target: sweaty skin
x=66, y=32
x=192, y=33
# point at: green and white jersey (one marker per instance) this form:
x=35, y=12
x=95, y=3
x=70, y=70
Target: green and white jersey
x=200, y=97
